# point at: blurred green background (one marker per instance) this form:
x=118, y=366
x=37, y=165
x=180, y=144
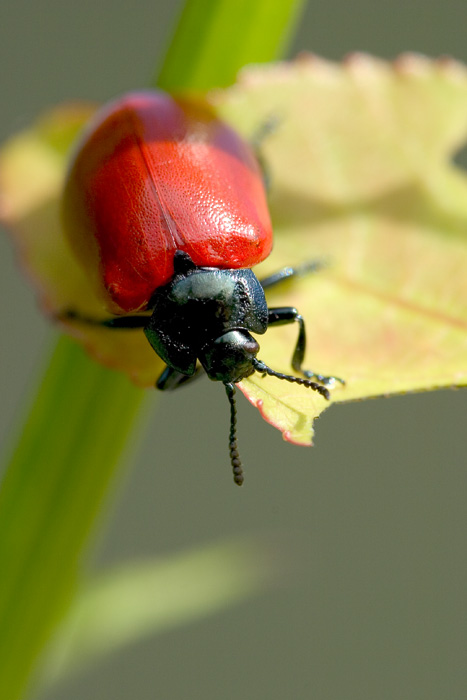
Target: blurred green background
x=372, y=602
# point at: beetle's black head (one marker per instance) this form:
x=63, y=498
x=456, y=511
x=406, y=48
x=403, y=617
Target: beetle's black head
x=229, y=357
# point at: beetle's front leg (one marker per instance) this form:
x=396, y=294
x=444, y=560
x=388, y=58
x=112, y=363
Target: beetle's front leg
x=282, y=315
x=171, y=378
x=286, y=273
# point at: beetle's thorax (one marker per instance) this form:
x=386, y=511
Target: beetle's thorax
x=208, y=314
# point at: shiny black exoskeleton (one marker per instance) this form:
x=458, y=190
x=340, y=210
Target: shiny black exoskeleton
x=207, y=315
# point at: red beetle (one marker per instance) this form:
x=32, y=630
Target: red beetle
x=165, y=206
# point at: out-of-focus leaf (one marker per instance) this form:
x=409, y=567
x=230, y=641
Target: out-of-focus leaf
x=150, y=597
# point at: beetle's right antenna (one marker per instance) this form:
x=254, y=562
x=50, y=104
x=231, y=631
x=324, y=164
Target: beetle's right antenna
x=235, y=460
x=264, y=369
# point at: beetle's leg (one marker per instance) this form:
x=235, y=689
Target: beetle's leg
x=171, y=378
x=262, y=133
x=282, y=315
x=117, y=322
x=287, y=272
x=264, y=129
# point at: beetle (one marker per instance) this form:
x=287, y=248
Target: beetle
x=165, y=206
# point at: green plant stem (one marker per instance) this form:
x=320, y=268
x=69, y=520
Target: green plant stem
x=215, y=38
x=66, y=458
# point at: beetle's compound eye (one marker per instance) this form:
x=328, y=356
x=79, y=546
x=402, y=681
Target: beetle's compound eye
x=229, y=357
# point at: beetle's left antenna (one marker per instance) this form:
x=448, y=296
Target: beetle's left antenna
x=235, y=460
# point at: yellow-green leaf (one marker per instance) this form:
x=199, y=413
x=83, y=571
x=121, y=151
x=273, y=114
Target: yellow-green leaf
x=361, y=176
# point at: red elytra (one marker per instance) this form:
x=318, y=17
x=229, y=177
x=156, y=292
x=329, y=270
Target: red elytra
x=154, y=174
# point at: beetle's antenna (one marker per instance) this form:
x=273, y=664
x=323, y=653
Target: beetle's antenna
x=235, y=460
x=264, y=369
